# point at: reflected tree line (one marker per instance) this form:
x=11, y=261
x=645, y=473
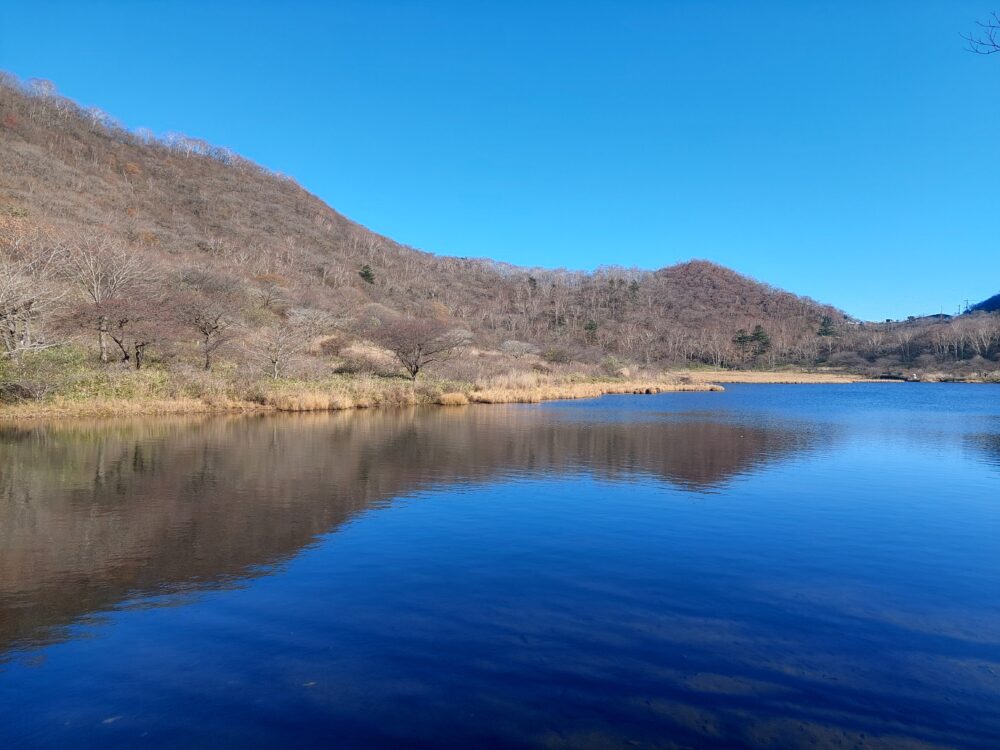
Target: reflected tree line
x=92, y=513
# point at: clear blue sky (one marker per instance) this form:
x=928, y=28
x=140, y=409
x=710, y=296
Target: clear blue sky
x=844, y=150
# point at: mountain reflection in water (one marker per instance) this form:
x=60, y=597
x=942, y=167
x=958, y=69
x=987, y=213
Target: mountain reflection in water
x=91, y=513
x=764, y=568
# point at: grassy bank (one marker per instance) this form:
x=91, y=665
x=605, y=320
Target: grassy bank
x=123, y=392
x=68, y=382
x=80, y=389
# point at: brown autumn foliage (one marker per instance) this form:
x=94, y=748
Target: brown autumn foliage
x=87, y=207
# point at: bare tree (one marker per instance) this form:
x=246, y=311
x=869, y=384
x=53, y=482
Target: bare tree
x=132, y=325
x=419, y=342
x=28, y=292
x=986, y=41
x=311, y=323
x=104, y=268
x=213, y=324
x=983, y=332
x=209, y=311
x=270, y=293
x=518, y=349
x=272, y=348
x=903, y=339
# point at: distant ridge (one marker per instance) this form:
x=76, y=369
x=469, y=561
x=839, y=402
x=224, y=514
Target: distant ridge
x=990, y=305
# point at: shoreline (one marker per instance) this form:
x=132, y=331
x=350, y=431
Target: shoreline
x=775, y=377
x=307, y=397
x=316, y=399
x=797, y=377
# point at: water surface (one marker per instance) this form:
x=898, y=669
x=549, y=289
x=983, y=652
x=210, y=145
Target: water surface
x=769, y=567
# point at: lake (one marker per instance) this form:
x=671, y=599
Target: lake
x=769, y=567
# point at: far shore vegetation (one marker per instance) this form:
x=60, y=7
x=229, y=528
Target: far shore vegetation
x=70, y=381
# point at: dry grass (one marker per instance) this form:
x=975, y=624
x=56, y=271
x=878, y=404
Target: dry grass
x=59, y=407
x=454, y=398
x=309, y=401
x=343, y=392
x=532, y=387
x=357, y=392
x=755, y=376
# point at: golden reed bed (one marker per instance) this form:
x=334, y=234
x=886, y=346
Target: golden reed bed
x=501, y=390
x=505, y=388
x=502, y=395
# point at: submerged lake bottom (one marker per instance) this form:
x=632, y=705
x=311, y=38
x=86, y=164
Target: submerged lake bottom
x=770, y=567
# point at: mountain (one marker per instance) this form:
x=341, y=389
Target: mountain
x=990, y=305
x=203, y=218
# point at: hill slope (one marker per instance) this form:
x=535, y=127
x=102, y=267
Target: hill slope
x=990, y=305
x=197, y=213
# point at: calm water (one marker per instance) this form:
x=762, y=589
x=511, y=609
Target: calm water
x=770, y=567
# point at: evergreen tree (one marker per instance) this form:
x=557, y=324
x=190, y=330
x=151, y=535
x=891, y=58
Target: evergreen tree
x=761, y=340
x=742, y=339
x=367, y=274
x=826, y=327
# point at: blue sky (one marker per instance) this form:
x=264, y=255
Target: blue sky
x=842, y=150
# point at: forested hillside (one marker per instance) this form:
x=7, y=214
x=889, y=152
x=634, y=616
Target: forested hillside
x=172, y=252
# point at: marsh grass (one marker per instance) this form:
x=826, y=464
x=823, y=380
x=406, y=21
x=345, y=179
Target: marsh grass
x=118, y=407
x=119, y=392
x=533, y=387
x=453, y=398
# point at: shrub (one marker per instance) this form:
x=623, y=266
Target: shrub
x=331, y=346
x=556, y=355
x=14, y=393
x=612, y=366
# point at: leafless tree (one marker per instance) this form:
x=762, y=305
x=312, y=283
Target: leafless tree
x=213, y=324
x=270, y=293
x=273, y=347
x=312, y=323
x=28, y=291
x=903, y=339
x=983, y=333
x=985, y=41
x=104, y=268
x=518, y=349
x=133, y=325
x=419, y=342
x=208, y=306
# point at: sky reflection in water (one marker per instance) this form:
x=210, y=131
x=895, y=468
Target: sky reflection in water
x=805, y=566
